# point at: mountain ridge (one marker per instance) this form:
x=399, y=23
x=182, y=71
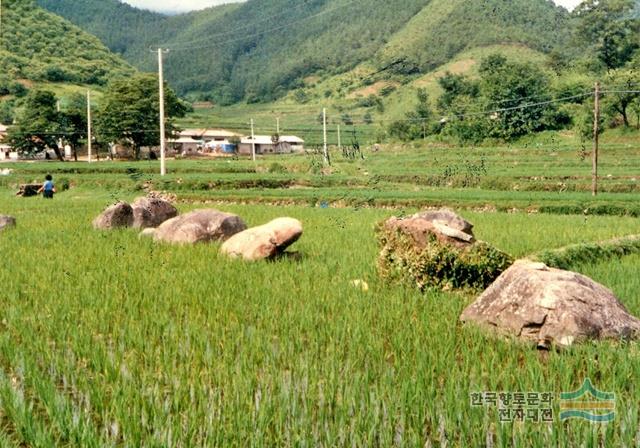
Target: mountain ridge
x=261, y=50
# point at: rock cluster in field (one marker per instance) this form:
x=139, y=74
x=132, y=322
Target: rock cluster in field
x=437, y=249
x=159, y=220
x=263, y=242
x=199, y=226
x=7, y=221
x=143, y=213
x=551, y=307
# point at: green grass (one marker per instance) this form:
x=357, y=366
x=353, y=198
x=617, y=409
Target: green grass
x=108, y=340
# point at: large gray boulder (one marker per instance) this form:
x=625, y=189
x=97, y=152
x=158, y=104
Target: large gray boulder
x=7, y=221
x=263, y=242
x=151, y=212
x=115, y=216
x=200, y=226
x=551, y=307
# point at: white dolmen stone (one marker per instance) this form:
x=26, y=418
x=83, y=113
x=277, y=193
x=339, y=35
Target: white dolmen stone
x=263, y=242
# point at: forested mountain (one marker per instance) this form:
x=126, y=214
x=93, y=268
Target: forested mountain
x=261, y=49
x=117, y=24
x=37, y=45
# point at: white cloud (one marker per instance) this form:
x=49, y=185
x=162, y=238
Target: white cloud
x=175, y=5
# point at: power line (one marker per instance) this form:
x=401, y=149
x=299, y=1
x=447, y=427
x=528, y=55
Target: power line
x=620, y=91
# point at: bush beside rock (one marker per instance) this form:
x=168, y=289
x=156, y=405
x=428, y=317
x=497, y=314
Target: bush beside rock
x=427, y=254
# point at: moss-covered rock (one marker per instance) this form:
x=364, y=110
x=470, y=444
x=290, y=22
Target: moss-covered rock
x=418, y=252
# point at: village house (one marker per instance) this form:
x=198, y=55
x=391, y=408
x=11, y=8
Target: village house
x=204, y=140
x=286, y=144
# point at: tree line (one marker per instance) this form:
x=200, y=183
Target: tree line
x=128, y=114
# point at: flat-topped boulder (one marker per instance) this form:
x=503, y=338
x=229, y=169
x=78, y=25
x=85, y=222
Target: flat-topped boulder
x=437, y=249
x=7, y=221
x=551, y=307
x=446, y=217
x=151, y=212
x=263, y=242
x=115, y=216
x=200, y=226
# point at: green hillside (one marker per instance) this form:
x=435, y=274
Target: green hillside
x=443, y=28
x=261, y=50
x=42, y=47
x=118, y=25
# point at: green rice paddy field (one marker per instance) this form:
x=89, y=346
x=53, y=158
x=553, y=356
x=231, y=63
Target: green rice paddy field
x=109, y=340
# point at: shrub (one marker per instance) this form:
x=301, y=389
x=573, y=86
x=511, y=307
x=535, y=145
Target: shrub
x=438, y=265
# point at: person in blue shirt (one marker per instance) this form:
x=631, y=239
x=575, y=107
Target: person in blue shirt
x=47, y=188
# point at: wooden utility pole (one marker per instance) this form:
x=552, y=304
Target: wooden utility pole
x=278, y=125
x=253, y=142
x=89, y=125
x=163, y=168
x=596, y=136
x=324, y=132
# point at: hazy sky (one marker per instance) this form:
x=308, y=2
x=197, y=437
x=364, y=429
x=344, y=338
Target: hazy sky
x=189, y=5
x=176, y=5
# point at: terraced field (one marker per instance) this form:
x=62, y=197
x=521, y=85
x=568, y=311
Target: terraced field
x=109, y=340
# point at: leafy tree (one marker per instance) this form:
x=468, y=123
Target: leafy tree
x=368, y=118
x=415, y=123
x=584, y=121
x=454, y=86
x=466, y=122
x=622, y=100
x=6, y=112
x=129, y=112
x=635, y=108
x=346, y=119
x=74, y=122
x=609, y=28
x=513, y=88
x=38, y=125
